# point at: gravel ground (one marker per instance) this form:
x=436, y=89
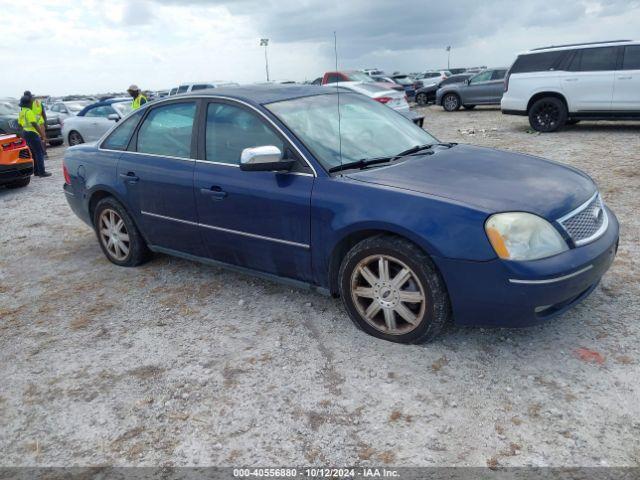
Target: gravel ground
x=176, y=363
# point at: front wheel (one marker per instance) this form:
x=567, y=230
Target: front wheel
x=451, y=102
x=547, y=114
x=421, y=99
x=75, y=138
x=392, y=290
x=119, y=238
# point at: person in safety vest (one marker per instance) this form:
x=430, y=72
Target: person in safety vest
x=41, y=116
x=34, y=134
x=138, y=98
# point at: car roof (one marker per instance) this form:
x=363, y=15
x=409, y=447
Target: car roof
x=262, y=94
x=100, y=104
x=570, y=46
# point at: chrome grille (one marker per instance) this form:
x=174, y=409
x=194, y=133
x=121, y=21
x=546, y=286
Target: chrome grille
x=587, y=222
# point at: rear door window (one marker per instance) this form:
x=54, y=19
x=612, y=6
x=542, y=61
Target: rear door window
x=594, y=59
x=167, y=130
x=482, y=77
x=101, y=111
x=498, y=74
x=631, y=58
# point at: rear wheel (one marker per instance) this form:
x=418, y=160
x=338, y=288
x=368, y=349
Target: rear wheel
x=75, y=138
x=451, y=102
x=392, y=290
x=548, y=114
x=421, y=99
x=23, y=182
x=119, y=238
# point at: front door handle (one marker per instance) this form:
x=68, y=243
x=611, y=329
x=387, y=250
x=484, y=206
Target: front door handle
x=215, y=192
x=629, y=77
x=570, y=79
x=130, y=177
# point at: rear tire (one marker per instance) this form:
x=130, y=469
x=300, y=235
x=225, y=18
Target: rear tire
x=23, y=182
x=421, y=99
x=451, y=102
x=119, y=238
x=75, y=138
x=392, y=290
x=547, y=114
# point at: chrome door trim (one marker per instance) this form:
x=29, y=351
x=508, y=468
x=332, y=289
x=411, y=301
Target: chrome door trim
x=227, y=230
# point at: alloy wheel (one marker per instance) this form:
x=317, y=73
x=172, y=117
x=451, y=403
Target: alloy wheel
x=388, y=294
x=114, y=235
x=450, y=103
x=75, y=138
x=547, y=115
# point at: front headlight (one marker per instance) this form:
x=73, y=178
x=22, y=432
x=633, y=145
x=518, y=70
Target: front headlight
x=523, y=236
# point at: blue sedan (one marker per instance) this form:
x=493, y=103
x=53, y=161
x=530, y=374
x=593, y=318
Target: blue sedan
x=410, y=232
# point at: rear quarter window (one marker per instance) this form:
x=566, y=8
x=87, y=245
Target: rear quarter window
x=537, y=62
x=631, y=59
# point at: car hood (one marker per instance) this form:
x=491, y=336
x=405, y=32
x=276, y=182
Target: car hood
x=492, y=180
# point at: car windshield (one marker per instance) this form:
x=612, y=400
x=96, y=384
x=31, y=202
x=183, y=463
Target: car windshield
x=368, y=128
x=7, y=108
x=122, y=107
x=75, y=107
x=359, y=77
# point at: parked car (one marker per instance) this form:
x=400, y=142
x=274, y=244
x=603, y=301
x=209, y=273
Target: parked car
x=67, y=109
x=356, y=76
x=373, y=71
x=94, y=120
x=565, y=84
x=435, y=75
x=389, y=97
x=409, y=231
x=194, y=87
x=457, y=71
x=9, y=111
x=427, y=94
x=485, y=88
x=16, y=164
x=408, y=83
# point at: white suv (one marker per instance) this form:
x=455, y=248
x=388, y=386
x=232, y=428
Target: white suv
x=561, y=85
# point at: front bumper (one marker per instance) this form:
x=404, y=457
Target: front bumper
x=500, y=293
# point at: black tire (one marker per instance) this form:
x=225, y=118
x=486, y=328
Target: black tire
x=421, y=99
x=138, y=252
x=23, y=182
x=547, y=114
x=56, y=143
x=75, y=138
x=431, y=315
x=451, y=102
x=572, y=121
x=469, y=107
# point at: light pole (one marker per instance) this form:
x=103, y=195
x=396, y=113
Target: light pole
x=264, y=42
x=448, y=56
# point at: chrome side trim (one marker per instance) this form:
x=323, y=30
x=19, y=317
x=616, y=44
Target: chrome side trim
x=207, y=162
x=227, y=230
x=149, y=154
x=551, y=280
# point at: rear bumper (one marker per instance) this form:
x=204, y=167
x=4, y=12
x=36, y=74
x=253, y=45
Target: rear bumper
x=16, y=171
x=77, y=204
x=518, y=294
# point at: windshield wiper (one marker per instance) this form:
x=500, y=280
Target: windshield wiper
x=365, y=162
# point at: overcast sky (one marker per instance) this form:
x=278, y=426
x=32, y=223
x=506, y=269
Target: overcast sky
x=89, y=46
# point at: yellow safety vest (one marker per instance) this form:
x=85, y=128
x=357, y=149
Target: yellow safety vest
x=136, y=102
x=26, y=118
x=37, y=109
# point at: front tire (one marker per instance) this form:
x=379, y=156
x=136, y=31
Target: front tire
x=75, y=138
x=421, y=99
x=547, y=114
x=451, y=102
x=392, y=290
x=119, y=238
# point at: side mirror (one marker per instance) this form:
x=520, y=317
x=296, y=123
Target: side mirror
x=267, y=158
x=114, y=116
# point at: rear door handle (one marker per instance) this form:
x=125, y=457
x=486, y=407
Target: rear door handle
x=130, y=177
x=215, y=192
x=625, y=78
x=570, y=79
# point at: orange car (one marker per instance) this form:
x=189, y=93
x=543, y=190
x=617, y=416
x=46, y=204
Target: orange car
x=16, y=163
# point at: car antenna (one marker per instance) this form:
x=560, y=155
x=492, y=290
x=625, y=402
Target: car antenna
x=335, y=51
